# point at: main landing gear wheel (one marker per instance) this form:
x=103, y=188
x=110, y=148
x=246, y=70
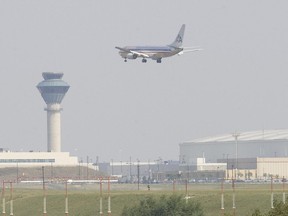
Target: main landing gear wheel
x=144, y=60
x=125, y=60
x=158, y=60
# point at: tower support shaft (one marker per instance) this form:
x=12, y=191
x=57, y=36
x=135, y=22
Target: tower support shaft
x=53, y=127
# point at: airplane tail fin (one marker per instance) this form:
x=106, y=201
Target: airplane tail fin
x=179, y=39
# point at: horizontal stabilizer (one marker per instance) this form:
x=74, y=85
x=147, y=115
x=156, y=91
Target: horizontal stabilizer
x=185, y=50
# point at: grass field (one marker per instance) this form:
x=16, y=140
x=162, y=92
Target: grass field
x=84, y=199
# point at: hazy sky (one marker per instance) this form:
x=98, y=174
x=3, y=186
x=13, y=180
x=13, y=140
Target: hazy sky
x=115, y=110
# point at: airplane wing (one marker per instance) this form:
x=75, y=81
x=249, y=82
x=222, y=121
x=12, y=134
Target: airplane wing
x=122, y=49
x=139, y=54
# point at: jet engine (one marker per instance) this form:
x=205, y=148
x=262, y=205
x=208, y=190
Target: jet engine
x=132, y=56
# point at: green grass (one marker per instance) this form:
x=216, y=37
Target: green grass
x=84, y=200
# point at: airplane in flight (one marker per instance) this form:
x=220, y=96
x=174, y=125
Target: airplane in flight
x=156, y=52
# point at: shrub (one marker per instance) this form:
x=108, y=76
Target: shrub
x=165, y=206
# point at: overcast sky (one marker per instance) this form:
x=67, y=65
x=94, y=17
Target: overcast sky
x=115, y=110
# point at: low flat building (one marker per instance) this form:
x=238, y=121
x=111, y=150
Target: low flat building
x=30, y=159
x=275, y=167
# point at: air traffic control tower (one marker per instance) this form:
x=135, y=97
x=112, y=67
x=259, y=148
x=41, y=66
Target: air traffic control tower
x=53, y=90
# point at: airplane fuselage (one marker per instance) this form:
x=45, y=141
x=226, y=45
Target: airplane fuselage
x=154, y=52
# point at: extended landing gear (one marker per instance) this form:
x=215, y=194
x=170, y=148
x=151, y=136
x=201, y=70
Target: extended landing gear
x=158, y=60
x=125, y=60
x=144, y=60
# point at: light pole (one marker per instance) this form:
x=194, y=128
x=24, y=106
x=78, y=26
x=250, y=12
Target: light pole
x=227, y=168
x=112, y=168
x=51, y=169
x=17, y=180
x=130, y=170
x=80, y=168
x=149, y=172
x=138, y=172
x=158, y=162
x=87, y=168
x=121, y=168
x=236, y=135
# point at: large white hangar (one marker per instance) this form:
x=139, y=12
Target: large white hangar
x=237, y=146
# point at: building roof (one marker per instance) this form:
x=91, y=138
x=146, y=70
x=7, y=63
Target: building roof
x=246, y=136
x=52, y=75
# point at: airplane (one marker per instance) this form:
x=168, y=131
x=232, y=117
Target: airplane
x=156, y=52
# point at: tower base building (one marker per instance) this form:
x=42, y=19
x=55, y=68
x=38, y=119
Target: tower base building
x=32, y=159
